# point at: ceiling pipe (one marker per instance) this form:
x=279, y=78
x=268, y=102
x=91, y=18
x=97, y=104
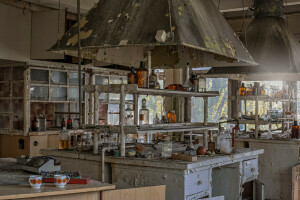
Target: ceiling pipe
x=79, y=64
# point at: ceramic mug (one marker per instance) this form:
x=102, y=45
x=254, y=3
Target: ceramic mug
x=61, y=180
x=36, y=181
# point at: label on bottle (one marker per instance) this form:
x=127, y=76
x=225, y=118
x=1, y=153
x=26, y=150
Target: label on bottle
x=141, y=117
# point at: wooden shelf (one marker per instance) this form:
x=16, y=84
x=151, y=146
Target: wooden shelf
x=154, y=128
x=261, y=98
x=133, y=89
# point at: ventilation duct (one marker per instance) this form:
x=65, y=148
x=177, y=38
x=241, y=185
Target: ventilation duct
x=123, y=31
x=269, y=41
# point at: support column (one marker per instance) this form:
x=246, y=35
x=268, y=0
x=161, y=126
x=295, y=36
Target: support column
x=122, y=116
x=26, y=101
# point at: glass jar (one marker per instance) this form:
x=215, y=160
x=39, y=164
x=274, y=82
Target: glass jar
x=144, y=114
x=166, y=151
x=242, y=90
x=64, y=139
x=172, y=117
x=202, y=84
x=129, y=115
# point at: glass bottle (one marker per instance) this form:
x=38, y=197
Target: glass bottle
x=295, y=130
x=144, y=113
x=249, y=90
x=195, y=82
x=63, y=123
x=202, y=84
x=164, y=119
x=142, y=76
x=166, y=151
x=187, y=86
x=243, y=90
x=131, y=77
x=152, y=79
x=129, y=115
x=35, y=125
x=43, y=123
x=263, y=92
x=69, y=122
x=64, y=139
x=172, y=117
x=156, y=120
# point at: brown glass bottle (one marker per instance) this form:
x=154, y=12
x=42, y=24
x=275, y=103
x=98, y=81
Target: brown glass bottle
x=69, y=123
x=132, y=77
x=63, y=123
x=142, y=76
x=295, y=130
x=172, y=117
x=35, y=125
x=243, y=90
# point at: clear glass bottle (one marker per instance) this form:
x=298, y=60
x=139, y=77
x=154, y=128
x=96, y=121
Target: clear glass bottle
x=166, y=151
x=156, y=120
x=195, y=82
x=242, y=90
x=188, y=86
x=131, y=77
x=142, y=76
x=153, y=79
x=144, y=113
x=129, y=115
x=172, y=117
x=202, y=84
x=64, y=139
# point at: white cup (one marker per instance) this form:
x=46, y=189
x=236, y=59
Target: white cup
x=36, y=181
x=61, y=180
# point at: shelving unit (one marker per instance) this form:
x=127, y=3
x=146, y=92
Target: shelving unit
x=257, y=122
x=122, y=130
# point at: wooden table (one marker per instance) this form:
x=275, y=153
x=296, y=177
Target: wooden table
x=90, y=191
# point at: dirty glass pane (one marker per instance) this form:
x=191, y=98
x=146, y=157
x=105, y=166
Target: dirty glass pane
x=73, y=94
x=58, y=94
x=5, y=74
x=58, y=78
x=39, y=76
x=113, y=114
x=197, y=114
x=18, y=73
x=18, y=90
x=4, y=105
x=39, y=93
x=73, y=78
x=4, y=89
x=4, y=122
x=102, y=80
x=18, y=122
x=18, y=106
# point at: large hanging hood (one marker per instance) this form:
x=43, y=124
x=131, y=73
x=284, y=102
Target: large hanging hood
x=269, y=41
x=122, y=31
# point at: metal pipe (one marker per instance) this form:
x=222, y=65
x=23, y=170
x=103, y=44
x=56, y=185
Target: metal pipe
x=79, y=64
x=122, y=116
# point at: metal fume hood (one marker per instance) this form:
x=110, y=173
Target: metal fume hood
x=123, y=31
x=270, y=42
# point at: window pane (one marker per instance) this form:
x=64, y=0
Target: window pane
x=18, y=73
x=58, y=94
x=102, y=80
x=5, y=74
x=58, y=78
x=4, y=105
x=197, y=114
x=4, y=89
x=18, y=90
x=73, y=78
x=39, y=76
x=73, y=94
x=39, y=93
x=217, y=106
x=18, y=106
x=154, y=105
x=4, y=122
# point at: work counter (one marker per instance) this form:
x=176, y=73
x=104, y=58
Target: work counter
x=209, y=176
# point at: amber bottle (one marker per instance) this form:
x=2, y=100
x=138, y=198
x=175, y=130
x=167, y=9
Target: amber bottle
x=63, y=123
x=132, y=77
x=142, y=76
x=172, y=117
x=243, y=90
x=295, y=130
x=249, y=91
x=69, y=123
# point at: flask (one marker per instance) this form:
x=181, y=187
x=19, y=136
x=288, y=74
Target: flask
x=156, y=120
x=144, y=113
x=243, y=90
x=131, y=77
x=295, y=130
x=142, y=76
x=187, y=86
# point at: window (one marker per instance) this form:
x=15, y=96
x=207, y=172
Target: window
x=217, y=106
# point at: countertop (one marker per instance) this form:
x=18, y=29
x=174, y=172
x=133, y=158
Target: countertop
x=25, y=191
x=269, y=141
x=53, y=132
x=203, y=161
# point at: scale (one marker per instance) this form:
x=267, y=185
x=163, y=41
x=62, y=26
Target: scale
x=39, y=164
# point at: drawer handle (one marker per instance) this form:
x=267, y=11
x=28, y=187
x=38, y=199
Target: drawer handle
x=199, y=183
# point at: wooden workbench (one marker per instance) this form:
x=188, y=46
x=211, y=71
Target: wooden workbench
x=89, y=191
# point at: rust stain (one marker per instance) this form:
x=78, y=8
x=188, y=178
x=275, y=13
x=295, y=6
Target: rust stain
x=83, y=22
x=83, y=35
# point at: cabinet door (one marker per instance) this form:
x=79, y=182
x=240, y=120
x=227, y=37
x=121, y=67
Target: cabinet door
x=37, y=143
x=258, y=190
x=295, y=178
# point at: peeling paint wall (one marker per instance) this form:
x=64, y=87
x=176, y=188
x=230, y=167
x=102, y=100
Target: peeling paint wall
x=15, y=34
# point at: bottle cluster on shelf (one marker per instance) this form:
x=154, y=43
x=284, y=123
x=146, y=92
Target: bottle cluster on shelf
x=250, y=90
